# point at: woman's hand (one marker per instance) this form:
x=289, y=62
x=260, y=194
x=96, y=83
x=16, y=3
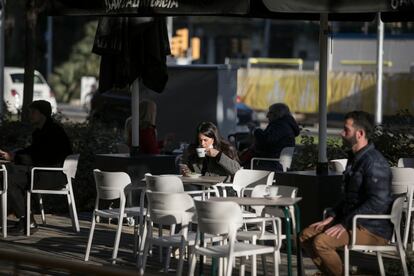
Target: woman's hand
x=184, y=170
x=212, y=152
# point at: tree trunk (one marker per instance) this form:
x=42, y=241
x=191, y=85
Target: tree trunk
x=29, y=61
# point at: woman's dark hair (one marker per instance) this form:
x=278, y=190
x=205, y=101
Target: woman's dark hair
x=210, y=130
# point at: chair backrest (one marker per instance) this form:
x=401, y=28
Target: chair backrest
x=164, y=183
x=396, y=213
x=170, y=208
x=250, y=178
x=402, y=176
x=110, y=185
x=218, y=217
x=70, y=165
x=406, y=162
x=339, y=164
x=4, y=186
x=286, y=156
x=287, y=191
x=258, y=191
x=403, y=182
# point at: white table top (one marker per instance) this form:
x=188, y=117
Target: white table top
x=203, y=179
x=259, y=201
x=206, y=181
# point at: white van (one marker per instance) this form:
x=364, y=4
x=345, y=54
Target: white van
x=13, y=89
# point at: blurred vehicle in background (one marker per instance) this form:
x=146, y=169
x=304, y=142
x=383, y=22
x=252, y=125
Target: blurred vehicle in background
x=13, y=89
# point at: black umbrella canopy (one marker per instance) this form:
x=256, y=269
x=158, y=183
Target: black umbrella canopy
x=148, y=7
x=346, y=10
x=339, y=10
x=131, y=47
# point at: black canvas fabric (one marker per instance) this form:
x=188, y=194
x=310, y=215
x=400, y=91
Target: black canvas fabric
x=131, y=48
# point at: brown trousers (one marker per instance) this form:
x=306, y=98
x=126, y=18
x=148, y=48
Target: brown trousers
x=321, y=248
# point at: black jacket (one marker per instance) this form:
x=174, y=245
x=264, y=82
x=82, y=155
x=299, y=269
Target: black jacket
x=50, y=146
x=278, y=134
x=367, y=189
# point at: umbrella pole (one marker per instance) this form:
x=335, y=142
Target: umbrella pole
x=322, y=165
x=135, y=117
x=380, y=46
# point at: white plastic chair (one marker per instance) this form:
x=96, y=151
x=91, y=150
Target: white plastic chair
x=168, y=184
x=403, y=183
x=171, y=184
x=285, y=191
x=260, y=233
x=339, y=164
x=406, y=162
x=285, y=158
x=69, y=169
x=395, y=218
x=212, y=220
x=112, y=186
x=3, y=193
x=247, y=179
x=169, y=209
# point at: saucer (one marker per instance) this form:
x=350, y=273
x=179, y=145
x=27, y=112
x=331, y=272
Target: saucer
x=194, y=175
x=273, y=197
x=177, y=175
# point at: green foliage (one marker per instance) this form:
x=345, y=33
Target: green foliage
x=82, y=62
x=394, y=140
x=14, y=134
x=306, y=155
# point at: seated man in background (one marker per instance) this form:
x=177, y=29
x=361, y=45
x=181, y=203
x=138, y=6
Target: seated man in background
x=268, y=143
x=49, y=148
x=367, y=191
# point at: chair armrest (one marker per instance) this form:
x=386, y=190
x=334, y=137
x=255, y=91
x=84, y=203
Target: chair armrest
x=276, y=225
x=200, y=192
x=223, y=187
x=41, y=169
x=245, y=189
x=46, y=169
x=364, y=216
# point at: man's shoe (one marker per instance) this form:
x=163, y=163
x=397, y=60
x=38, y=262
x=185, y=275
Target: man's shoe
x=20, y=227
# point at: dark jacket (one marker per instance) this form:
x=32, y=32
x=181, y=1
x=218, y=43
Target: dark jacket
x=50, y=146
x=367, y=189
x=223, y=164
x=278, y=134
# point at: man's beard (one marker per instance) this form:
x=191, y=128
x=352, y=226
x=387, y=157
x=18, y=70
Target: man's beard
x=349, y=142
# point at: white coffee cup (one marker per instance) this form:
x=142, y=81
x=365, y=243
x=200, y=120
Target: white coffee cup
x=201, y=152
x=272, y=191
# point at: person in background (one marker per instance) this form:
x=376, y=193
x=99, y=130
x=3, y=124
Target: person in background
x=49, y=148
x=367, y=189
x=148, y=142
x=279, y=133
x=220, y=156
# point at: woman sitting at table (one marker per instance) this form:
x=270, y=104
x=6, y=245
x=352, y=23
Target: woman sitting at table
x=220, y=157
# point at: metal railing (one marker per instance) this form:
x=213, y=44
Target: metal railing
x=276, y=61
